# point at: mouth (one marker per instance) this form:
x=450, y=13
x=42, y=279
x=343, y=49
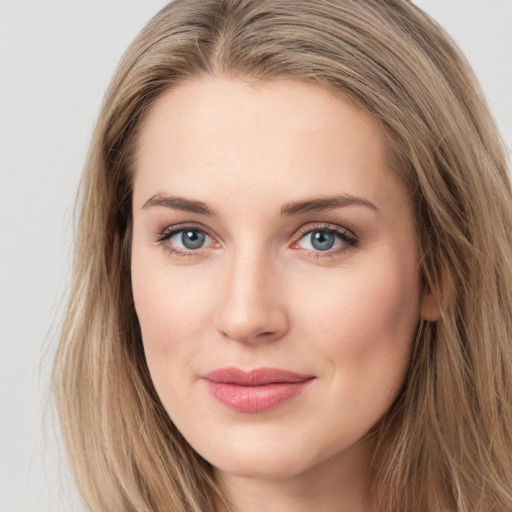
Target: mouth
x=257, y=390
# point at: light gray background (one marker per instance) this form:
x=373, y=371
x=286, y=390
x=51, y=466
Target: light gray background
x=56, y=58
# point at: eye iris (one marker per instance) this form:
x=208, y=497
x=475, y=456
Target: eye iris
x=322, y=240
x=192, y=239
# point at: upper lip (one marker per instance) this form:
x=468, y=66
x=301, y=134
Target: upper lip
x=255, y=377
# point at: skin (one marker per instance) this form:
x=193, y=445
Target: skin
x=259, y=294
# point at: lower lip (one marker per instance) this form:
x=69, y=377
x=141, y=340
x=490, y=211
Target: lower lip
x=255, y=398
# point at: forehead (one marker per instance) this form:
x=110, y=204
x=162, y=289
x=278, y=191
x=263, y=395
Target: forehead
x=216, y=136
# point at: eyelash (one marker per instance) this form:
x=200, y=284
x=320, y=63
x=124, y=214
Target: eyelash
x=349, y=239
x=165, y=235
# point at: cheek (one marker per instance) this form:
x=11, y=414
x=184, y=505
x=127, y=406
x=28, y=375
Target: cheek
x=384, y=311
x=164, y=312
x=364, y=324
x=372, y=304
x=172, y=310
x=169, y=320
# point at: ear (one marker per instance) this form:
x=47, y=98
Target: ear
x=429, y=310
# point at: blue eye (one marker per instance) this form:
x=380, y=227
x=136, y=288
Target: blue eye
x=188, y=239
x=323, y=240
x=192, y=239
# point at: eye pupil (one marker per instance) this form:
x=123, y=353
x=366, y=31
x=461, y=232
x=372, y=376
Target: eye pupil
x=322, y=240
x=192, y=239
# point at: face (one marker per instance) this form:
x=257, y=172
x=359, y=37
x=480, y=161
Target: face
x=275, y=272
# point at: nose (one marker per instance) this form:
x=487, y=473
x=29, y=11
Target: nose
x=252, y=306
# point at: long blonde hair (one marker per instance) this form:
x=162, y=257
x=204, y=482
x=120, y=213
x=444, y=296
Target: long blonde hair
x=447, y=440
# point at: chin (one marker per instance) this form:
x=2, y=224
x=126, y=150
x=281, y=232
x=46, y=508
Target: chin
x=262, y=454
x=261, y=465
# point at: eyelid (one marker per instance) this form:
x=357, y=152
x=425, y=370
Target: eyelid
x=347, y=235
x=163, y=238
x=169, y=231
x=324, y=226
x=349, y=238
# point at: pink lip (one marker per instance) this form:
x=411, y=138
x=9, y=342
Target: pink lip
x=257, y=390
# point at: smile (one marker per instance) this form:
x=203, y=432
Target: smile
x=257, y=390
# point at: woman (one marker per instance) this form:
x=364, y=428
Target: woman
x=292, y=284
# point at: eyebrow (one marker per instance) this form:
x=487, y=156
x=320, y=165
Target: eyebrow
x=325, y=203
x=179, y=203
x=288, y=209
